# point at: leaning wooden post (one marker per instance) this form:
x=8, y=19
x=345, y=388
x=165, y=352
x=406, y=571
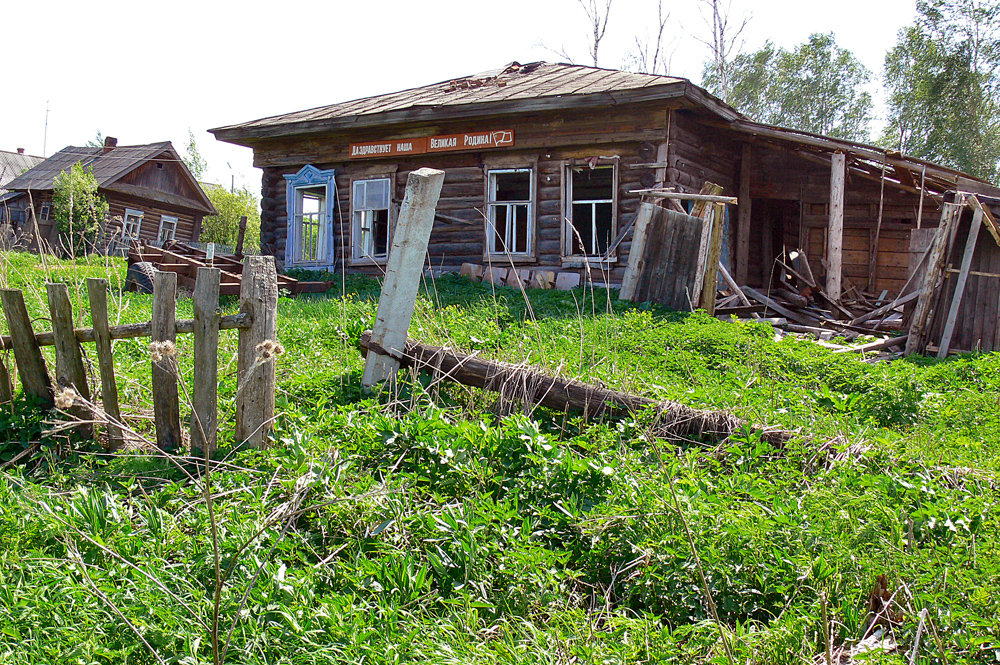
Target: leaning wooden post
x=204, y=414
x=711, y=284
x=743, y=219
x=70, y=372
x=97, y=291
x=636, y=253
x=255, y=371
x=6, y=385
x=402, y=277
x=166, y=405
x=31, y=368
x=963, y=278
x=835, y=235
x=242, y=236
x=936, y=259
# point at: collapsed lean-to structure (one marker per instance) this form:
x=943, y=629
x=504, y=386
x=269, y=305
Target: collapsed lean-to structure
x=545, y=164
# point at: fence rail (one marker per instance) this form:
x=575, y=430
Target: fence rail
x=256, y=323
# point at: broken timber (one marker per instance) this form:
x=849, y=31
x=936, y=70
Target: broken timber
x=564, y=394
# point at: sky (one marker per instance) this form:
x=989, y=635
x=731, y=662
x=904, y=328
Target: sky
x=146, y=72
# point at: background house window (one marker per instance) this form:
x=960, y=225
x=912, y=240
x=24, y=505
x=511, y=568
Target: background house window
x=128, y=235
x=510, y=219
x=46, y=212
x=310, y=224
x=168, y=229
x=370, y=225
x=590, y=194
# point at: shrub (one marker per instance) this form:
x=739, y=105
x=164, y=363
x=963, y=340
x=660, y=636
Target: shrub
x=79, y=209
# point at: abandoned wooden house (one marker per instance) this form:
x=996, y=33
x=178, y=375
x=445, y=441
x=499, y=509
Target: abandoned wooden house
x=544, y=165
x=13, y=164
x=151, y=194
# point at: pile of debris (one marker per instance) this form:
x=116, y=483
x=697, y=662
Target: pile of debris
x=523, y=278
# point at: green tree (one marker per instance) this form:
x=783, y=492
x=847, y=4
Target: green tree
x=193, y=160
x=97, y=141
x=815, y=87
x=943, y=87
x=78, y=208
x=224, y=227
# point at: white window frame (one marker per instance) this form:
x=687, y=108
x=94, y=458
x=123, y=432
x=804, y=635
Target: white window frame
x=123, y=239
x=46, y=212
x=318, y=219
x=362, y=245
x=569, y=235
x=506, y=208
x=172, y=221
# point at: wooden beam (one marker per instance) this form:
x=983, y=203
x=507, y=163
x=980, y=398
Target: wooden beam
x=937, y=258
x=69, y=360
x=835, y=234
x=166, y=404
x=159, y=196
x=97, y=290
x=681, y=196
x=960, y=282
x=710, y=285
x=204, y=399
x=743, y=221
x=256, y=363
x=402, y=277
x=636, y=254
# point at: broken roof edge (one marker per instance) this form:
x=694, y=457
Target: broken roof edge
x=657, y=87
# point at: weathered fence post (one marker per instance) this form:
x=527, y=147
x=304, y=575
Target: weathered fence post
x=97, y=291
x=255, y=370
x=166, y=406
x=402, y=276
x=242, y=236
x=70, y=372
x=204, y=413
x=636, y=253
x=31, y=368
x=710, y=285
x=6, y=385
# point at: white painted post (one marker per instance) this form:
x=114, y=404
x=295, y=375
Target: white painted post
x=402, y=275
x=835, y=236
x=630, y=281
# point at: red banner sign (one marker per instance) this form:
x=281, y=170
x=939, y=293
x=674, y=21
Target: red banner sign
x=444, y=143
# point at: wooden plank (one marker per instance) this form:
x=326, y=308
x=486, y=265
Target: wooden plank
x=711, y=277
x=258, y=351
x=97, y=291
x=731, y=283
x=778, y=308
x=204, y=401
x=927, y=293
x=681, y=196
x=743, y=219
x=70, y=372
x=6, y=385
x=402, y=279
x=636, y=254
x=31, y=368
x=961, y=280
x=835, y=238
x=166, y=405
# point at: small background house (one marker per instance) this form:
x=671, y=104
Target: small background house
x=150, y=192
x=13, y=164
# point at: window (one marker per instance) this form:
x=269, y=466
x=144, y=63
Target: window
x=510, y=218
x=46, y=212
x=168, y=229
x=128, y=234
x=370, y=223
x=309, y=208
x=590, y=210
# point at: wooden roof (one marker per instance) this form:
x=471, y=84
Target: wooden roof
x=109, y=166
x=515, y=88
x=13, y=164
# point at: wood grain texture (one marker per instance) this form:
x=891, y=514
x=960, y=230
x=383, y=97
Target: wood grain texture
x=204, y=400
x=636, y=255
x=255, y=370
x=31, y=367
x=166, y=404
x=97, y=291
x=835, y=239
x=916, y=340
x=70, y=372
x=744, y=216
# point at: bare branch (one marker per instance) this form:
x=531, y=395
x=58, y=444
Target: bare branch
x=726, y=36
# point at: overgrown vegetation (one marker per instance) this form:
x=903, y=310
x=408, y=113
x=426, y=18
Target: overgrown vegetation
x=224, y=226
x=79, y=209
x=430, y=524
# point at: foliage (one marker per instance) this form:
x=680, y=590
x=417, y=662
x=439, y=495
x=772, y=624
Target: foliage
x=816, y=87
x=224, y=226
x=97, y=141
x=192, y=159
x=944, y=90
x=436, y=526
x=79, y=210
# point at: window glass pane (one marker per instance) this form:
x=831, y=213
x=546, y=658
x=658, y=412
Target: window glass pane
x=380, y=231
x=603, y=223
x=520, y=236
x=377, y=194
x=593, y=184
x=514, y=186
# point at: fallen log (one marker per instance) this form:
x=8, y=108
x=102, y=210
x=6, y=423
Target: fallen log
x=529, y=385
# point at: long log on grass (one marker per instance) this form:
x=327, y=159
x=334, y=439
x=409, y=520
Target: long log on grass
x=533, y=386
x=133, y=330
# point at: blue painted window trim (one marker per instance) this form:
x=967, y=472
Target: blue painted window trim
x=309, y=176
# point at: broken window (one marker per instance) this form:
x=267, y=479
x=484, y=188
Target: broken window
x=310, y=224
x=168, y=229
x=370, y=229
x=128, y=234
x=510, y=218
x=590, y=210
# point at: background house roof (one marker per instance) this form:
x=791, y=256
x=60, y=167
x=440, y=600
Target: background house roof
x=13, y=164
x=541, y=84
x=108, y=165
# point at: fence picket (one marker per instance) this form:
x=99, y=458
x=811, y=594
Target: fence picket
x=97, y=290
x=204, y=415
x=166, y=406
x=6, y=385
x=31, y=368
x=255, y=370
x=70, y=372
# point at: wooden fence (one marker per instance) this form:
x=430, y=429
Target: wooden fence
x=256, y=323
